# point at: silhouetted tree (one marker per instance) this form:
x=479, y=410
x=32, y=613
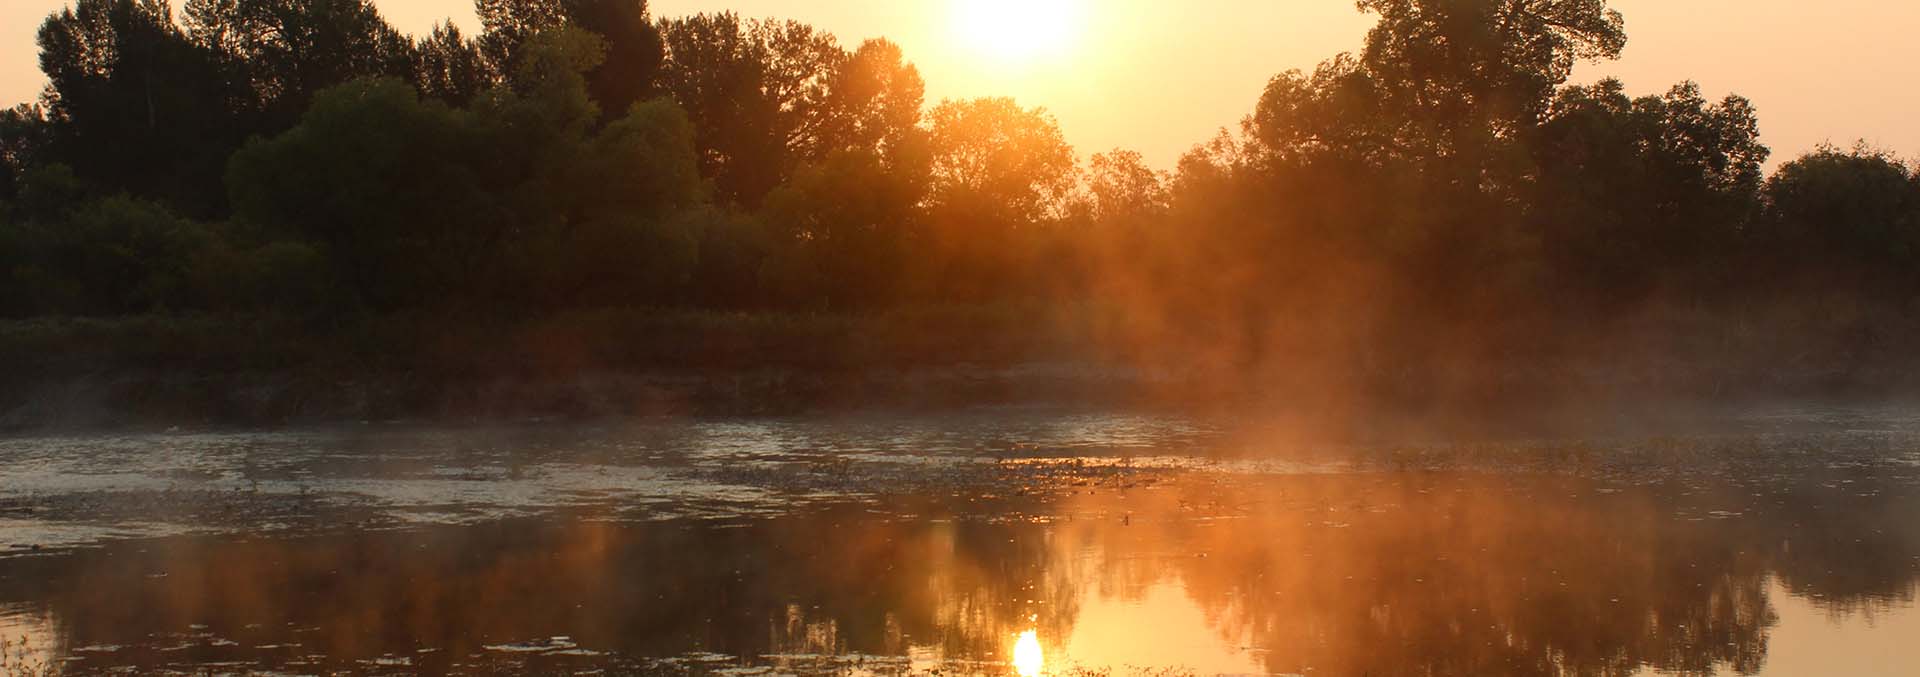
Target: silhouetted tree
x=284, y=51
x=1462, y=73
x=375, y=176
x=134, y=104
x=24, y=138
x=757, y=92
x=628, y=73
x=522, y=199
x=1843, y=219
x=449, y=67
x=999, y=172
x=1124, y=191
x=996, y=162
x=64, y=251
x=848, y=226
x=873, y=103
x=1632, y=194
x=507, y=24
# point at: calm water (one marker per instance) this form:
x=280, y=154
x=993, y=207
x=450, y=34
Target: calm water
x=1777, y=542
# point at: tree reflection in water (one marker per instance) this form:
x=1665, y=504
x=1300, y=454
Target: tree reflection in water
x=1381, y=573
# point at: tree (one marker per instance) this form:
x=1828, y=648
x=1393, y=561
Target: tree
x=382, y=182
x=285, y=51
x=633, y=50
x=507, y=24
x=757, y=92
x=845, y=226
x=24, y=138
x=134, y=105
x=1462, y=72
x=63, y=251
x=1124, y=191
x=595, y=214
x=1631, y=194
x=1851, y=217
x=449, y=67
x=874, y=102
x=996, y=162
x=629, y=75
x=520, y=201
x=1414, y=156
x=999, y=174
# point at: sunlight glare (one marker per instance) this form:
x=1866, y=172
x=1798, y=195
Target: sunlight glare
x=1026, y=654
x=1018, y=31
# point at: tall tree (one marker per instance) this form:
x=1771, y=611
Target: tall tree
x=24, y=138
x=134, y=104
x=874, y=103
x=1000, y=173
x=1461, y=71
x=625, y=77
x=287, y=50
x=998, y=162
x=449, y=67
x=1846, y=219
x=757, y=92
x=1632, y=194
x=1123, y=190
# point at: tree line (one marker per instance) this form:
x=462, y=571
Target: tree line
x=304, y=157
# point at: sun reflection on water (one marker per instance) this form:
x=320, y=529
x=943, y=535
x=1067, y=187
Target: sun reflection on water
x=1026, y=654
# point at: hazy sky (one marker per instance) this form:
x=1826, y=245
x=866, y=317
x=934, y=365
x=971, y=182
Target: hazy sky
x=1159, y=76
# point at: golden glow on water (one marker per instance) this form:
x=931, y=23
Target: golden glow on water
x=1018, y=31
x=29, y=643
x=1027, y=658
x=1326, y=574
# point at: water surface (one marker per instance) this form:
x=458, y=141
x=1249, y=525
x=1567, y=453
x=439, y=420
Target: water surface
x=1776, y=542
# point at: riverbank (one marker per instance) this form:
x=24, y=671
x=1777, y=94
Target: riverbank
x=162, y=371
x=265, y=371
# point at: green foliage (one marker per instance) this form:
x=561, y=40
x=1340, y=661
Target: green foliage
x=1440, y=192
x=1123, y=191
x=1463, y=73
x=284, y=276
x=998, y=164
x=286, y=51
x=520, y=199
x=379, y=180
x=634, y=51
x=847, y=225
x=1630, y=191
x=769, y=98
x=449, y=67
x=757, y=91
x=873, y=103
x=1853, y=215
x=999, y=174
x=25, y=136
x=64, y=252
x=133, y=103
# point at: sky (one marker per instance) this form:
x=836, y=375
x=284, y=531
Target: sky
x=1159, y=76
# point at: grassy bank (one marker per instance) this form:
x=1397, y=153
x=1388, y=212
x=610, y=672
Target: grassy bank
x=273, y=370
x=164, y=370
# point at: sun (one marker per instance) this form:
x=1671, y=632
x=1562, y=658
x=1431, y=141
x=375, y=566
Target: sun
x=1018, y=31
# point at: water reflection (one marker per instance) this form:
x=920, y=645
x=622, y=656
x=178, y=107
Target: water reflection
x=1106, y=546
x=28, y=645
x=1027, y=658
x=1388, y=573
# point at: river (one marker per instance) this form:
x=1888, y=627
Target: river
x=1768, y=541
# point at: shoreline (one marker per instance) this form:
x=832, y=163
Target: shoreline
x=160, y=399
x=161, y=371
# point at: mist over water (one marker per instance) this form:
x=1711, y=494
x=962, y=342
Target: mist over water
x=1015, y=541
x=1443, y=361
